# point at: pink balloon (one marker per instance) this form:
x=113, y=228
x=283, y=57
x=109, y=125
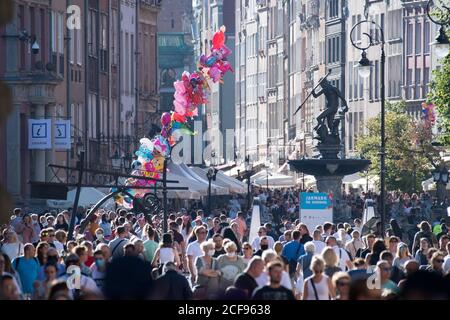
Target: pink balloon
x=179, y=86
x=165, y=119
x=179, y=108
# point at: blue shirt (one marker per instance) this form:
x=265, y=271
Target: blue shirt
x=60, y=270
x=293, y=250
x=28, y=270
x=305, y=261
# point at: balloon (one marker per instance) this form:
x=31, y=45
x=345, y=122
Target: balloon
x=136, y=165
x=179, y=108
x=215, y=74
x=211, y=60
x=179, y=86
x=218, y=39
x=178, y=117
x=158, y=163
x=165, y=119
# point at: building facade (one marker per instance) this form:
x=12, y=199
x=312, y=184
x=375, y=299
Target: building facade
x=85, y=74
x=218, y=114
x=304, y=41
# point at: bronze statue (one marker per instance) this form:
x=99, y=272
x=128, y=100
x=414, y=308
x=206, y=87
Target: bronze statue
x=332, y=95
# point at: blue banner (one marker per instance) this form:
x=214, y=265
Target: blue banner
x=316, y=201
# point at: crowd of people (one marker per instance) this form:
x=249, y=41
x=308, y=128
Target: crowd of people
x=125, y=255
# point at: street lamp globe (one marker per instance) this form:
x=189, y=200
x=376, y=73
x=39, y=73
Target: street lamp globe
x=441, y=49
x=364, y=66
x=441, y=44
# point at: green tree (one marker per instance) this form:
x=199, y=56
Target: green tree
x=439, y=95
x=410, y=157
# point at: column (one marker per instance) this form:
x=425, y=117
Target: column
x=39, y=155
x=13, y=170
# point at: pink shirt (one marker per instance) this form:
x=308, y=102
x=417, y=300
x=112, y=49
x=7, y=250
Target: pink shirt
x=241, y=226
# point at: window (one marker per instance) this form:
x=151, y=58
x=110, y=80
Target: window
x=333, y=8
x=418, y=73
x=426, y=37
x=418, y=37
x=394, y=24
x=350, y=131
x=71, y=35
x=79, y=38
x=409, y=38
x=53, y=31
x=350, y=80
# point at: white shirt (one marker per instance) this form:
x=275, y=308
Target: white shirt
x=13, y=250
x=321, y=288
x=320, y=245
x=299, y=284
x=86, y=284
x=359, y=229
x=340, y=252
x=346, y=239
x=59, y=246
x=256, y=243
x=264, y=280
x=194, y=250
x=446, y=265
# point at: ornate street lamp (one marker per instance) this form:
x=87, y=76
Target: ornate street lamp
x=441, y=43
x=364, y=68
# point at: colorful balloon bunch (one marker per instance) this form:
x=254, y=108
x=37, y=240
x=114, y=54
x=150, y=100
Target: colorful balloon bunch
x=428, y=114
x=190, y=93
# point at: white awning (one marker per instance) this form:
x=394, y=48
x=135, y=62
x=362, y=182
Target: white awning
x=273, y=179
x=237, y=186
x=233, y=186
x=215, y=188
x=89, y=197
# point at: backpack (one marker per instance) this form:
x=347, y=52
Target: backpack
x=16, y=262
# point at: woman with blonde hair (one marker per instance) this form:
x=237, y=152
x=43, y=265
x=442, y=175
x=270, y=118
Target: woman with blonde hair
x=318, y=286
x=402, y=256
x=331, y=261
x=341, y=284
x=11, y=246
x=229, y=266
x=207, y=282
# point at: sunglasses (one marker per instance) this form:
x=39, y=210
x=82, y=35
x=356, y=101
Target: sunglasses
x=51, y=235
x=440, y=261
x=247, y=248
x=343, y=284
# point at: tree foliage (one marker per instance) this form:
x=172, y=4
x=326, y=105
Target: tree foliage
x=410, y=157
x=439, y=95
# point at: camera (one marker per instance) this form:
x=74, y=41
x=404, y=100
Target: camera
x=35, y=48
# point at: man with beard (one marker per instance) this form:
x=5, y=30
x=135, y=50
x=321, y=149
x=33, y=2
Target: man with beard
x=274, y=291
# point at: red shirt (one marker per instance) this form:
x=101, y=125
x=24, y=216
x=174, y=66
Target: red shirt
x=90, y=260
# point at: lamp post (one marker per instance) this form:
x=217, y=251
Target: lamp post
x=267, y=165
x=364, y=71
x=248, y=173
x=440, y=176
x=441, y=43
x=211, y=175
x=80, y=166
